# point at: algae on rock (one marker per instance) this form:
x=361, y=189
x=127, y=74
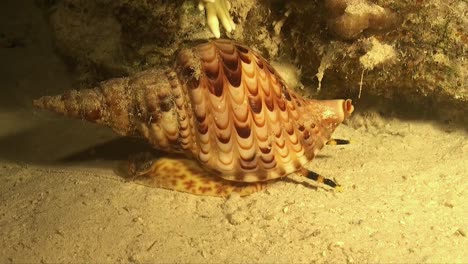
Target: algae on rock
x=424, y=43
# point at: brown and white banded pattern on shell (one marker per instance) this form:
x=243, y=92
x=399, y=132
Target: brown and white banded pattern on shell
x=222, y=104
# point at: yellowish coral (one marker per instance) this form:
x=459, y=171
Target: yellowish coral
x=217, y=10
x=349, y=18
x=377, y=54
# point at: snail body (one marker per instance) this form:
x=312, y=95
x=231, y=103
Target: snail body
x=221, y=104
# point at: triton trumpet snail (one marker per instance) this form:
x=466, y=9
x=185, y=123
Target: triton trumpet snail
x=224, y=107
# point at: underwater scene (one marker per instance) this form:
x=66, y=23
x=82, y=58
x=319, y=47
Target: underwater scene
x=233, y=131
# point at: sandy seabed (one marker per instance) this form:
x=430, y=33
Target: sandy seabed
x=405, y=197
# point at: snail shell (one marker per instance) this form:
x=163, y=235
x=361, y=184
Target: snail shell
x=222, y=104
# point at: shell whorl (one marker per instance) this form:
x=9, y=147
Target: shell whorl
x=222, y=104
